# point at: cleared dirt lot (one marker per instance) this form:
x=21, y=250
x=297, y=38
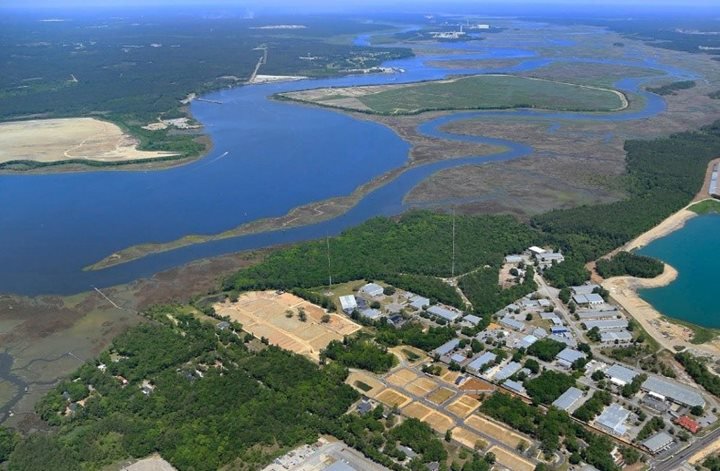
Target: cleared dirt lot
x=470, y=439
x=401, y=377
x=496, y=431
x=53, y=140
x=464, y=406
x=511, y=460
x=362, y=381
x=277, y=318
x=441, y=395
x=392, y=398
x=421, y=386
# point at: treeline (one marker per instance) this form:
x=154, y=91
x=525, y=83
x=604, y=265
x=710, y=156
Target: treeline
x=663, y=175
x=415, y=335
x=699, y=372
x=191, y=392
x=485, y=293
x=417, y=243
x=315, y=298
x=626, y=263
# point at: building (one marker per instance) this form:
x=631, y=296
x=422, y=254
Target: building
x=364, y=407
x=447, y=347
x=514, y=259
x=612, y=419
x=616, y=336
x=396, y=320
x=591, y=299
x=688, y=424
x=507, y=371
x=515, y=386
x=458, y=358
x=668, y=390
x=714, y=189
x=550, y=258
x=472, y=319
x=585, y=289
x=658, y=443
x=611, y=324
x=512, y=323
x=444, y=313
x=526, y=341
x=561, y=338
x=419, y=302
x=222, y=325
x=535, y=251
x=371, y=314
x=348, y=303
x=593, y=314
x=372, y=289
x=620, y=375
x=568, y=356
x=559, y=329
x=569, y=399
x=477, y=365
x=540, y=333
x=340, y=466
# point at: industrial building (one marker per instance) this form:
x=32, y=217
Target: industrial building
x=612, y=419
x=348, y=303
x=667, y=390
x=620, y=375
x=447, y=347
x=568, y=356
x=616, y=336
x=478, y=363
x=612, y=324
x=658, y=443
x=444, y=313
x=372, y=289
x=590, y=299
x=569, y=399
x=507, y=371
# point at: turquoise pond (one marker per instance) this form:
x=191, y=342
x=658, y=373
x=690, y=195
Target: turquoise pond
x=694, y=251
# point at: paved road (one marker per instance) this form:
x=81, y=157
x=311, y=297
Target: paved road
x=675, y=461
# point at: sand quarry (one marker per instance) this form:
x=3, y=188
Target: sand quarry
x=275, y=316
x=54, y=140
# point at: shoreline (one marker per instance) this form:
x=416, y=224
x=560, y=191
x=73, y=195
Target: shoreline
x=666, y=331
x=672, y=223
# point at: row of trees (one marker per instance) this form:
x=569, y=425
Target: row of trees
x=626, y=263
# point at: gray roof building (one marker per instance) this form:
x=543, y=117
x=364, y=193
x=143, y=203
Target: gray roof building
x=568, y=399
x=507, y=371
x=621, y=336
x=613, y=419
x=595, y=314
x=513, y=258
x=561, y=338
x=620, y=375
x=569, y=356
x=372, y=289
x=515, y=386
x=526, y=341
x=610, y=324
x=584, y=289
x=512, y=323
x=658, y=443
x=665, y=389
x=473, y=319
x=540, y=333
x=348, y=303
x=458, y=358
x=478, y=363
x=372, y=314
x=419, y=302
x=444, y=313
x=340, y=466
x=447, y=347
x=588, y=299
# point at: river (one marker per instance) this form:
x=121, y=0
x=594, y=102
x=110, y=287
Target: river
x=269, y=157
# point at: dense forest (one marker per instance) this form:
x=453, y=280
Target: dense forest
x=699, y=372
x=192, y=392
x=626, y=263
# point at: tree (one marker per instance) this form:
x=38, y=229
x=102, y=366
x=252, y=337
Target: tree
x=301, y=315
x=325, y=318
x=448, y=436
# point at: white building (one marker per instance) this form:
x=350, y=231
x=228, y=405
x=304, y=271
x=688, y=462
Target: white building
x=372, y=289
x=348, y=303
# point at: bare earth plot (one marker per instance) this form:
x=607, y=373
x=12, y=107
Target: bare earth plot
x=511, y=460
x=474, y=92
x=464, y=406
x=496, y=431
x=467, y=438
x=276, y=317
x=56, y=140
x=365, y=383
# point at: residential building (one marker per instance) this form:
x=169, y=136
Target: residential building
x=612, y=419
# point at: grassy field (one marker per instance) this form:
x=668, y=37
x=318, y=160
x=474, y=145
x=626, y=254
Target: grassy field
x=466, y=93
x=706, y=207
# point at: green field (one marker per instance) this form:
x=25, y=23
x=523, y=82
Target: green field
x=708, y=206
x=467, y=93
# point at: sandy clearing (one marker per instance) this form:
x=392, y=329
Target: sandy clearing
x=705, y=452
x=363, y=377
x=151, y=463
x=494, y=430
x=511, y=460
x=671, y=224
x=53, y=140
x=265, y=314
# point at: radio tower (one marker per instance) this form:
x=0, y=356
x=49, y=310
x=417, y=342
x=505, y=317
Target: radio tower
x=327, y=240
x=452, y=270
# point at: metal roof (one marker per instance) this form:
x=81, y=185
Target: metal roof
x=613, y=418
x=370, y=313
x=443, y=312
x=526, y=341
x=348, y=302
x=512, y=323
x=458, y=357
x=584, y=289
x=339, y=466
x=372, y=289
x=568, y=399
x=540, y=333
x=513, y=258
x=621, y=373
x=592, y=298
x=658, y=442
x=515, y=386
x=621, y=336
x=611, y=324
x=594, y=314
x=481, y=361
x=508, y=370
x=447, y=347
x=569, y=355
x=673, y=391
x=418, y=302
x=474, y=320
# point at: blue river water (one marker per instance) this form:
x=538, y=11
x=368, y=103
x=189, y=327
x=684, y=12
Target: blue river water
x=268, y=158
x=694, y=251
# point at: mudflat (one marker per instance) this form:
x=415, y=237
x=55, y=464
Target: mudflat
x=57, y=140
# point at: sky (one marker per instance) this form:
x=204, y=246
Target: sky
x=316, y=4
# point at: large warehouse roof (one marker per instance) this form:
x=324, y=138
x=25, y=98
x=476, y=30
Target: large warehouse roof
x=673, y=391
